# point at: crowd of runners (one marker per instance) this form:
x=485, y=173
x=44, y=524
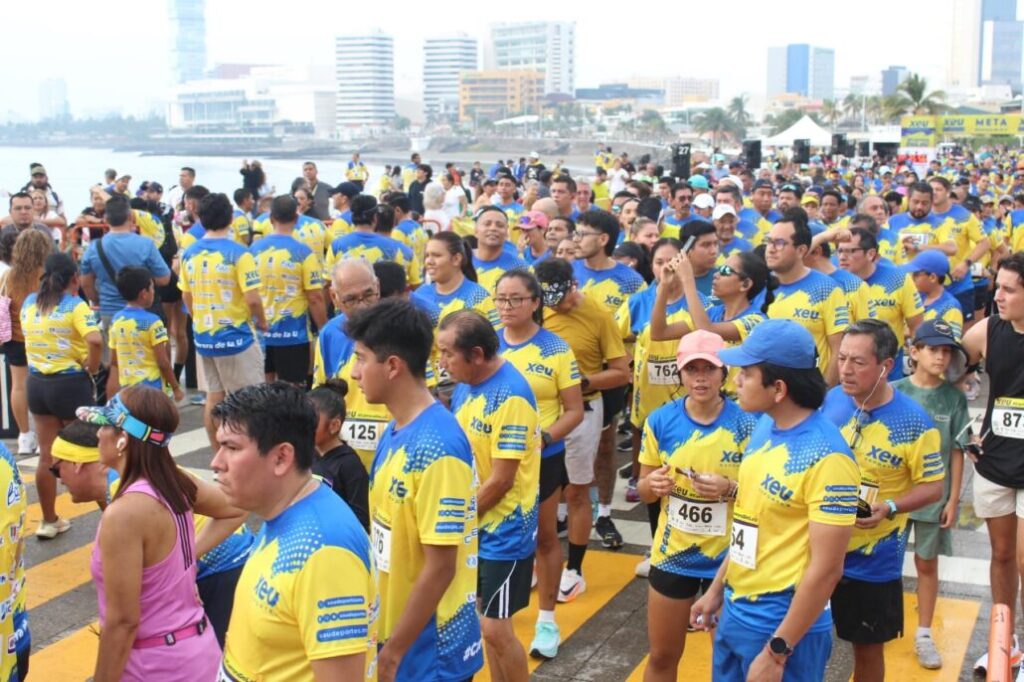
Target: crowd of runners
x=417, y=387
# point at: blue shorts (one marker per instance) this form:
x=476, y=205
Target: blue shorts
x=736, y=647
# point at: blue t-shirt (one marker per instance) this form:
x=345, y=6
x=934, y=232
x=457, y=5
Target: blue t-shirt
x=122, y=250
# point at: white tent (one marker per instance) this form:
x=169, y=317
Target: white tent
x=804, y=129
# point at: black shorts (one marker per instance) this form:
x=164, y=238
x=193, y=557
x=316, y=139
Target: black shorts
x=676, y=586
x=614, y=400
x=868, y=613
x=15, y=352
x=503, y=587
x=966, y=300
x=59, y=395
x=217, y=592
x=170, y=293
x=553, y=476
x=289, y=363
x=982, y=295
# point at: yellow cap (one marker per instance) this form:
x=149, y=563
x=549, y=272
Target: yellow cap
x=70, y=452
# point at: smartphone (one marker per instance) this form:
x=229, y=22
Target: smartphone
x=863, y=509
x=689, y=244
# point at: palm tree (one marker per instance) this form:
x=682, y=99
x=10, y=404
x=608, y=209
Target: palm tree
x=874, y=109
x=852, y=105
x=830, y=111
x=787, y=118
x=715, y=121
x=913, y=98
x=739, y=115
x=652, y=121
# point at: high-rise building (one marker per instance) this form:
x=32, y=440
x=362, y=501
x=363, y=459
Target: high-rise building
x=859, y=85
x=545, y=46
x=678, y=90
x=499, y=94
x=801, y=69
x=444, y=60
x=964, y=66
x=188, y=39
x=986, y=45
x=891, y=79
x=53, y=99
x=364, y=67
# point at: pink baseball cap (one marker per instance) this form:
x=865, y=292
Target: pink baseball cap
x=534, y=219
x=699, y=345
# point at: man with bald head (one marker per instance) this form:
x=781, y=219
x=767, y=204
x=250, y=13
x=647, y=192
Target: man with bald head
x=548, y=207
x=354, y=286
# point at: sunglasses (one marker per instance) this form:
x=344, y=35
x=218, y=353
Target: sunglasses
x=860, y=421
x=727, y=271
x=55, y=470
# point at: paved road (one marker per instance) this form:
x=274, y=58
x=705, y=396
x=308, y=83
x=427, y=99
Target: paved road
x=604, y=630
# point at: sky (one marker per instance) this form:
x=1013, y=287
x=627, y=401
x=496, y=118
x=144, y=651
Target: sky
x=119, y=59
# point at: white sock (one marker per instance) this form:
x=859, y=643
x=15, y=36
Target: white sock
x=545, y=616
x=563, y=511
x=604, y=510
x=923, y=632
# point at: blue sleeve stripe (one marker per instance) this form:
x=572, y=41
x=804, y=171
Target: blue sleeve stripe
x=518, y=447
x=347, y=632
x=839, y=510
x=449, y=527
x=842, y=489
x=448, y=501
x=514, y=427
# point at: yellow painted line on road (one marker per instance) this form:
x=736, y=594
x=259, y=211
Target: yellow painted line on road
x=695, y=663
x=58, y=575
x=66, y=509
x=72, y=659
x=606, y=574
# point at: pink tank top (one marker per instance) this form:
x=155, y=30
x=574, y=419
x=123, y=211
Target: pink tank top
x=168, y=600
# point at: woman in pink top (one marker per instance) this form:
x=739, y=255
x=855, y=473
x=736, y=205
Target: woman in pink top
x=144, y=559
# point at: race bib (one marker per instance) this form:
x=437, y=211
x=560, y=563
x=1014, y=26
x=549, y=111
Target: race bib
x=664, y=373
x=918, y=239
x=696, y=516
x=743, y=544
x=381, y=539
x=362, y=434
x=1008, y=418
x=223, y=675
x=868, y=491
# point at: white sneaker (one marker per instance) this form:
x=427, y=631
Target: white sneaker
x=571, y=586
x=928, y=656
x=48, y=531
x=27, y=444
x=643, y=569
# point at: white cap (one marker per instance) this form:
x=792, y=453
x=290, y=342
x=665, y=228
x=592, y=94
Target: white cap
x=734, y=179
x=721, y=210
x=884, y=169
x=703, y=200
x=534, y=155
x=702, y=165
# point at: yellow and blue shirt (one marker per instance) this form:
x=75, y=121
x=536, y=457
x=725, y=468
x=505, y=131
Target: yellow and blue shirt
x=313, y=234
x=856, y=290
x=692, y=537
x=892, y=294
x=134, y=335
x=150, y=226
x=341, y=225
x=549, y=366
x=307, y=592
x=411, y=234
x=513, y=212
x=373, y=247
x=788, y=478
x=241, y=227
x=744, y=324
x=499, y=416
x=287, y=269
x=947, y=309
x=817, y=303
x=926, y=231
x=671, y=226
x=962, y=227
x=334, y=358
x=762, y=224
x=423, y=492
x=55, y=344
x=608, y=288
x=898, y=448
x=14, y=629
x=488, y=272
x=217, y=273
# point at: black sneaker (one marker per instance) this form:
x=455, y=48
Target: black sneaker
x=563, y=528
x=626, y=471
x=610, y=536
x=626, y=444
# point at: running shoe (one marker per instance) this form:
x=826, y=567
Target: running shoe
x=571, y=586
x=610, y=536
x=27, y=444
x=981, y=665
x=546, y=639
x=927, y=653
x=197, y=399
x=631, y=494
x=562, y=526
x=48, y=531
x=626, y=471
x=643, y=569
x=626, y=444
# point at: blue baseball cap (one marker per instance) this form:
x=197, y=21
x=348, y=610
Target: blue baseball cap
x=780, y=342
x=697, y=182
x=932, y=261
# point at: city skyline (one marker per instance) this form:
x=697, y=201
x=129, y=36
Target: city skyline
x=736, y=58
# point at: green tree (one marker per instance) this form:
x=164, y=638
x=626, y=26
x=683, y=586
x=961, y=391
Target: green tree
x=831, y=113
x=651, y=121
x=740, y=116
x=715, y=122
x=787, y=118
x=401, y=123
x=912, y=97
x=852, y=105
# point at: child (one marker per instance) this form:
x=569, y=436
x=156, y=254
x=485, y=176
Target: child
x=337, y=463
x=933, y=350
x=139, y=349
x=929, y=270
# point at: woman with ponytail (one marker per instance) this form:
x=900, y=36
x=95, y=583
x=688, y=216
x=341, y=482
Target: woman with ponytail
x=63, y=348
x=449, y=265
x=337, y=463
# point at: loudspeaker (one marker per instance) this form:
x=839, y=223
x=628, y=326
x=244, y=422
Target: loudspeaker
x=838, y=144
x=801, y=151
x=849, y=150
x=752, y=154
x=864, y=149
x=681, y=160
x=886, y=150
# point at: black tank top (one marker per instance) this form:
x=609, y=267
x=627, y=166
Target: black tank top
x=1003, y=447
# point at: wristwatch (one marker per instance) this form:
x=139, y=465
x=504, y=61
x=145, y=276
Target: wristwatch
x=892, y=509
x=779, y=647
x=584, y=383
x=545, y=438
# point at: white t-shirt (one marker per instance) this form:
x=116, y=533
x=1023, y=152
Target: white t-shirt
x=617, y=180
x=453, y=199
x=439, y=216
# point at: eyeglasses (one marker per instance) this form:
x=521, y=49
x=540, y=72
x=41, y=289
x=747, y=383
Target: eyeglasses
x=778, y=244
x=727, y=271
x=513, y=301
x=55, y=470
x=366, y=298
x=685, y=197
x=849, y=250
x=580, y=234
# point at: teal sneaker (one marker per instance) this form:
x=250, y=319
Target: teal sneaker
x=545, y=641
